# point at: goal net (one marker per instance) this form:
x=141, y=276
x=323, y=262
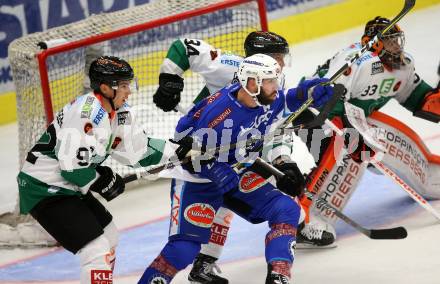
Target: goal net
x=48, y=76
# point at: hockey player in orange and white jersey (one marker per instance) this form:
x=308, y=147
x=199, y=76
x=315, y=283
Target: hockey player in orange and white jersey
x=383, y=73
x=64, y=167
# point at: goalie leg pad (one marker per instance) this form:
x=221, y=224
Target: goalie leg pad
x=95, y=262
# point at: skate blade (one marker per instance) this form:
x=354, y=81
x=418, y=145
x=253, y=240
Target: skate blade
x=304, y=246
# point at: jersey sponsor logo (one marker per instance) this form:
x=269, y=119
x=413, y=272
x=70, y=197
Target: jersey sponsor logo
x=230, y=62
x=101, y=277
x=385, y=86
x=200, y=214
x=99, y=116
x=86, y=110
x=263, y=118
x=124, y=118
x=220, y=118
x=250, y=181
x=362, y=59
x=377, y=68
x=218, y=234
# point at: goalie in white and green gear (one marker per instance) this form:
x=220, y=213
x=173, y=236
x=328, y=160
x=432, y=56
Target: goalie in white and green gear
x=380, y=74
x=65, y=165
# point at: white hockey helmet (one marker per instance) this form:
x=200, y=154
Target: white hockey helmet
x=259, y=67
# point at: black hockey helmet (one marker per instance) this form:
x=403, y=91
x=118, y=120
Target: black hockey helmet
x=109, y=70
x=266, y=43
x=390, y=57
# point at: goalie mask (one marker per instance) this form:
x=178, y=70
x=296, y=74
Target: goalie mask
x=390, y=47
x=259, y=67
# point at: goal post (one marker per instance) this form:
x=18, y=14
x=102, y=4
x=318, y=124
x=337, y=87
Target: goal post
x=48, y=78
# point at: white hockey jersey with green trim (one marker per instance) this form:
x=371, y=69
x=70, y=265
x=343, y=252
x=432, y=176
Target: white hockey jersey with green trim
x=371, y=84
x=81, y=136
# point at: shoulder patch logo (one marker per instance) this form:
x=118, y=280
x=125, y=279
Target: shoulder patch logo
x=376, y=68
x=200, y=214
x=251, y=181
x=86, y=110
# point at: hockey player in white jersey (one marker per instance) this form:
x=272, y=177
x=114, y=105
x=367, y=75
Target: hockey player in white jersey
x=381, y=74
x=64, y=167
x=218, y=69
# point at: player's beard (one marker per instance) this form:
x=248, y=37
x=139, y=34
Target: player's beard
x=265, y=99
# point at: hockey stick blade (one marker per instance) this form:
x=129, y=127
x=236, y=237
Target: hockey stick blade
x=375, y=234
x=388, y=234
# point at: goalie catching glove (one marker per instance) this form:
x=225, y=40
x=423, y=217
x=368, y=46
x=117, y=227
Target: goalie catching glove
x=167, y=96
x=430, y=108
x=109, y=184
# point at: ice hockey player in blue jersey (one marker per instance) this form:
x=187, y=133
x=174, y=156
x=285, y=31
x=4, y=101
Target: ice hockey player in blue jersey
x=235, y=113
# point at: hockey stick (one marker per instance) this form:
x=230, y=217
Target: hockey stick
x=338, y=92
x=408, y=189
x=376, y=234
x=409, y=4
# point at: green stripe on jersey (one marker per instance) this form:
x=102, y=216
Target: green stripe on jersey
x=31, y=191
x=177, y=54
x=80, y=177
x=154, y=152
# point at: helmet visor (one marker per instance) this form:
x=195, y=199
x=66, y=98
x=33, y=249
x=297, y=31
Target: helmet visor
x=126, y=85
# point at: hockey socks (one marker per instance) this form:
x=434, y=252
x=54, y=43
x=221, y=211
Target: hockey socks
x=280, y=243
x=175, y=256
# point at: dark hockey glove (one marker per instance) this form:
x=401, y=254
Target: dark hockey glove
x=109, y=184
x=167, y=96
x=293, y=182
x=185, y=145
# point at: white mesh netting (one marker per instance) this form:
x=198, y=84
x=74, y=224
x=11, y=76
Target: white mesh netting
x=144, y=49
x=144, y=46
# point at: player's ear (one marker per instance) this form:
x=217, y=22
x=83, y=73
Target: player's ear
x=105, y=89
